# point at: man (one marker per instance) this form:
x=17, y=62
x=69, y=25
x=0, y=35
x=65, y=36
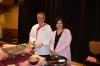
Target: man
x=39, y=36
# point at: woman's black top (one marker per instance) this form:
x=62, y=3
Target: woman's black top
x=57, y=37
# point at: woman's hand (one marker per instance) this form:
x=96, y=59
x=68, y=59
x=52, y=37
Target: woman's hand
x=53, y=52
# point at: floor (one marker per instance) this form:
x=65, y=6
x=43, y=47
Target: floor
x=76, y=64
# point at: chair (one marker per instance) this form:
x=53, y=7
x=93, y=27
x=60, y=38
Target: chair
x=94, y=55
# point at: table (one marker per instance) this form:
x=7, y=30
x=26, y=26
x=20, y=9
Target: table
x=22, y=60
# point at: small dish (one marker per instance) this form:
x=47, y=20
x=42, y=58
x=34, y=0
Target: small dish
x=33, y=59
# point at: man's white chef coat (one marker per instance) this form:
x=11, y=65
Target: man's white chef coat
x=43, y=36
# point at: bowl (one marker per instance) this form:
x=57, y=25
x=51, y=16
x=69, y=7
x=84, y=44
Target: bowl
x=33, y=59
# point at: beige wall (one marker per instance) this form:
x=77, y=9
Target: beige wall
x=9, y=19
x=0, y=33
x=1, y=24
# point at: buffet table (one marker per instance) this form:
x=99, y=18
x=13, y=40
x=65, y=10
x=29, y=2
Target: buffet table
x=18, y=55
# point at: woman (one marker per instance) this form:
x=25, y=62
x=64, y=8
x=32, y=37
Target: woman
x=60, y=40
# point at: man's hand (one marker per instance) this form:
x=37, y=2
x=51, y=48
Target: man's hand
x=38, y=44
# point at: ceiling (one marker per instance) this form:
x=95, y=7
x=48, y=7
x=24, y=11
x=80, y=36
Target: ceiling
x=6, y=4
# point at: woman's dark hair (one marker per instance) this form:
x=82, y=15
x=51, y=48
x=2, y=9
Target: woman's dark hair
x=57, y=19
